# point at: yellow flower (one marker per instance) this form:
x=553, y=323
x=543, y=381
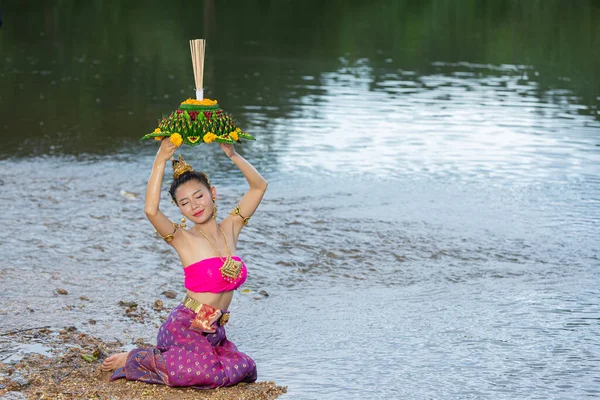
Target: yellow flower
x=234, y=135
x=158, y=138
x=203, y=102
x=209, y=137
x=157, y=130
x=176, y=139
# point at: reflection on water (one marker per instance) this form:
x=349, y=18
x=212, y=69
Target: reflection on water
x=91, y=93
x=431, y=224
x=464, y=120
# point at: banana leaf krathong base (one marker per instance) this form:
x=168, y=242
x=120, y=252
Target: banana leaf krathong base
x=200, y=121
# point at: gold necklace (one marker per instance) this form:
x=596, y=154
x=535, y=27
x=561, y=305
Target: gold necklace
x=231, y=269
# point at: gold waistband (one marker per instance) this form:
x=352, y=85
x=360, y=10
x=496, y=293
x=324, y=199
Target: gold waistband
x=192, y=304
x=196, y=306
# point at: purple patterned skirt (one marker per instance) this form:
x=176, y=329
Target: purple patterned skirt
x=186, y=355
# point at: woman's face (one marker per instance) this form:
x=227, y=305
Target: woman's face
x=195, y=201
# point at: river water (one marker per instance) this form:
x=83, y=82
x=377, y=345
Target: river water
x=432, y=219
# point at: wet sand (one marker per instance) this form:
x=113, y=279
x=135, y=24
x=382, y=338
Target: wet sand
x=72, y=371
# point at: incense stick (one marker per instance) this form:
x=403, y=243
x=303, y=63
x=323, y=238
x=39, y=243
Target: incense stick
x=197, y=47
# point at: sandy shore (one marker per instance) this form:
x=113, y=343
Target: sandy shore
x=72, y=371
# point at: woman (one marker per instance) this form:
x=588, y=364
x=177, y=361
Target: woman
x=192, y=348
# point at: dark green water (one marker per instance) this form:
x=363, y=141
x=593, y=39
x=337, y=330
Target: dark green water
x=90, y=77
x=432, y=220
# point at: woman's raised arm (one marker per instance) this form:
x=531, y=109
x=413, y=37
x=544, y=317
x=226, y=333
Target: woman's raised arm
x=250, y=201
x=161, y=223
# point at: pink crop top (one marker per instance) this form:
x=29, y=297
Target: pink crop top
x=204, y=276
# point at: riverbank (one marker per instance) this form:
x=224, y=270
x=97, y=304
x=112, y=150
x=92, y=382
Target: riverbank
x=70, y=369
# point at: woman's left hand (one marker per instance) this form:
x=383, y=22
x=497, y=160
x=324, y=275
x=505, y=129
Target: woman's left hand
x=228, y=149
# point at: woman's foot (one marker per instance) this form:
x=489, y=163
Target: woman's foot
x=115, y=361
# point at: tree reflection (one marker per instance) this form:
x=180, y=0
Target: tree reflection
x=89, y=76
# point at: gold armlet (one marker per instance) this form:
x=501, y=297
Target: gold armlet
x=169, y=238
x=236, y=211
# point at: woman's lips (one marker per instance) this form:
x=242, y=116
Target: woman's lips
x=198, y=213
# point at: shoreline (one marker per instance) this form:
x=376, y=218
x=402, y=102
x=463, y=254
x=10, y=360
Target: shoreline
x=71, y=370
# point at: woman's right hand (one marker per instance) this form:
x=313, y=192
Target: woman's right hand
x=166, y=150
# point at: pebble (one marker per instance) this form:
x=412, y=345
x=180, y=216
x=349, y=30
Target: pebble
x=62, y=291
x=169, y=294
x=84, y=298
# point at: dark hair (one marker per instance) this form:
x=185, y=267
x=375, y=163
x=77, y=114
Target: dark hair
x=186, y=177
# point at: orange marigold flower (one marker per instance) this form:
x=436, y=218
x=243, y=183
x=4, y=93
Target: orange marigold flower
x=234, y=135
x=209, y=137
x=176, y=139
x=203, y=102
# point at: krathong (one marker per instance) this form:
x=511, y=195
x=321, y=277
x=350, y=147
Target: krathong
x=198, y=120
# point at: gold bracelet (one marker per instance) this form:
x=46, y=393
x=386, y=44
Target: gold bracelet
x=169, y=238
x=236, y=211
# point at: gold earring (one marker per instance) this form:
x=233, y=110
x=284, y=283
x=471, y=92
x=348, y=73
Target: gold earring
x=183, y=225
x=215, y=208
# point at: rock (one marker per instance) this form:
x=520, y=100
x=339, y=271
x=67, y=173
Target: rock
x=62, y=291
x=20, y=379
x=169, y=294
x=158, y=305
x=17, y=381
x=129, y=195
x=264, y=293
x=84, y=298
x=128, y=304
x=92, y=322
x=13, y=396
x=70, y=329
